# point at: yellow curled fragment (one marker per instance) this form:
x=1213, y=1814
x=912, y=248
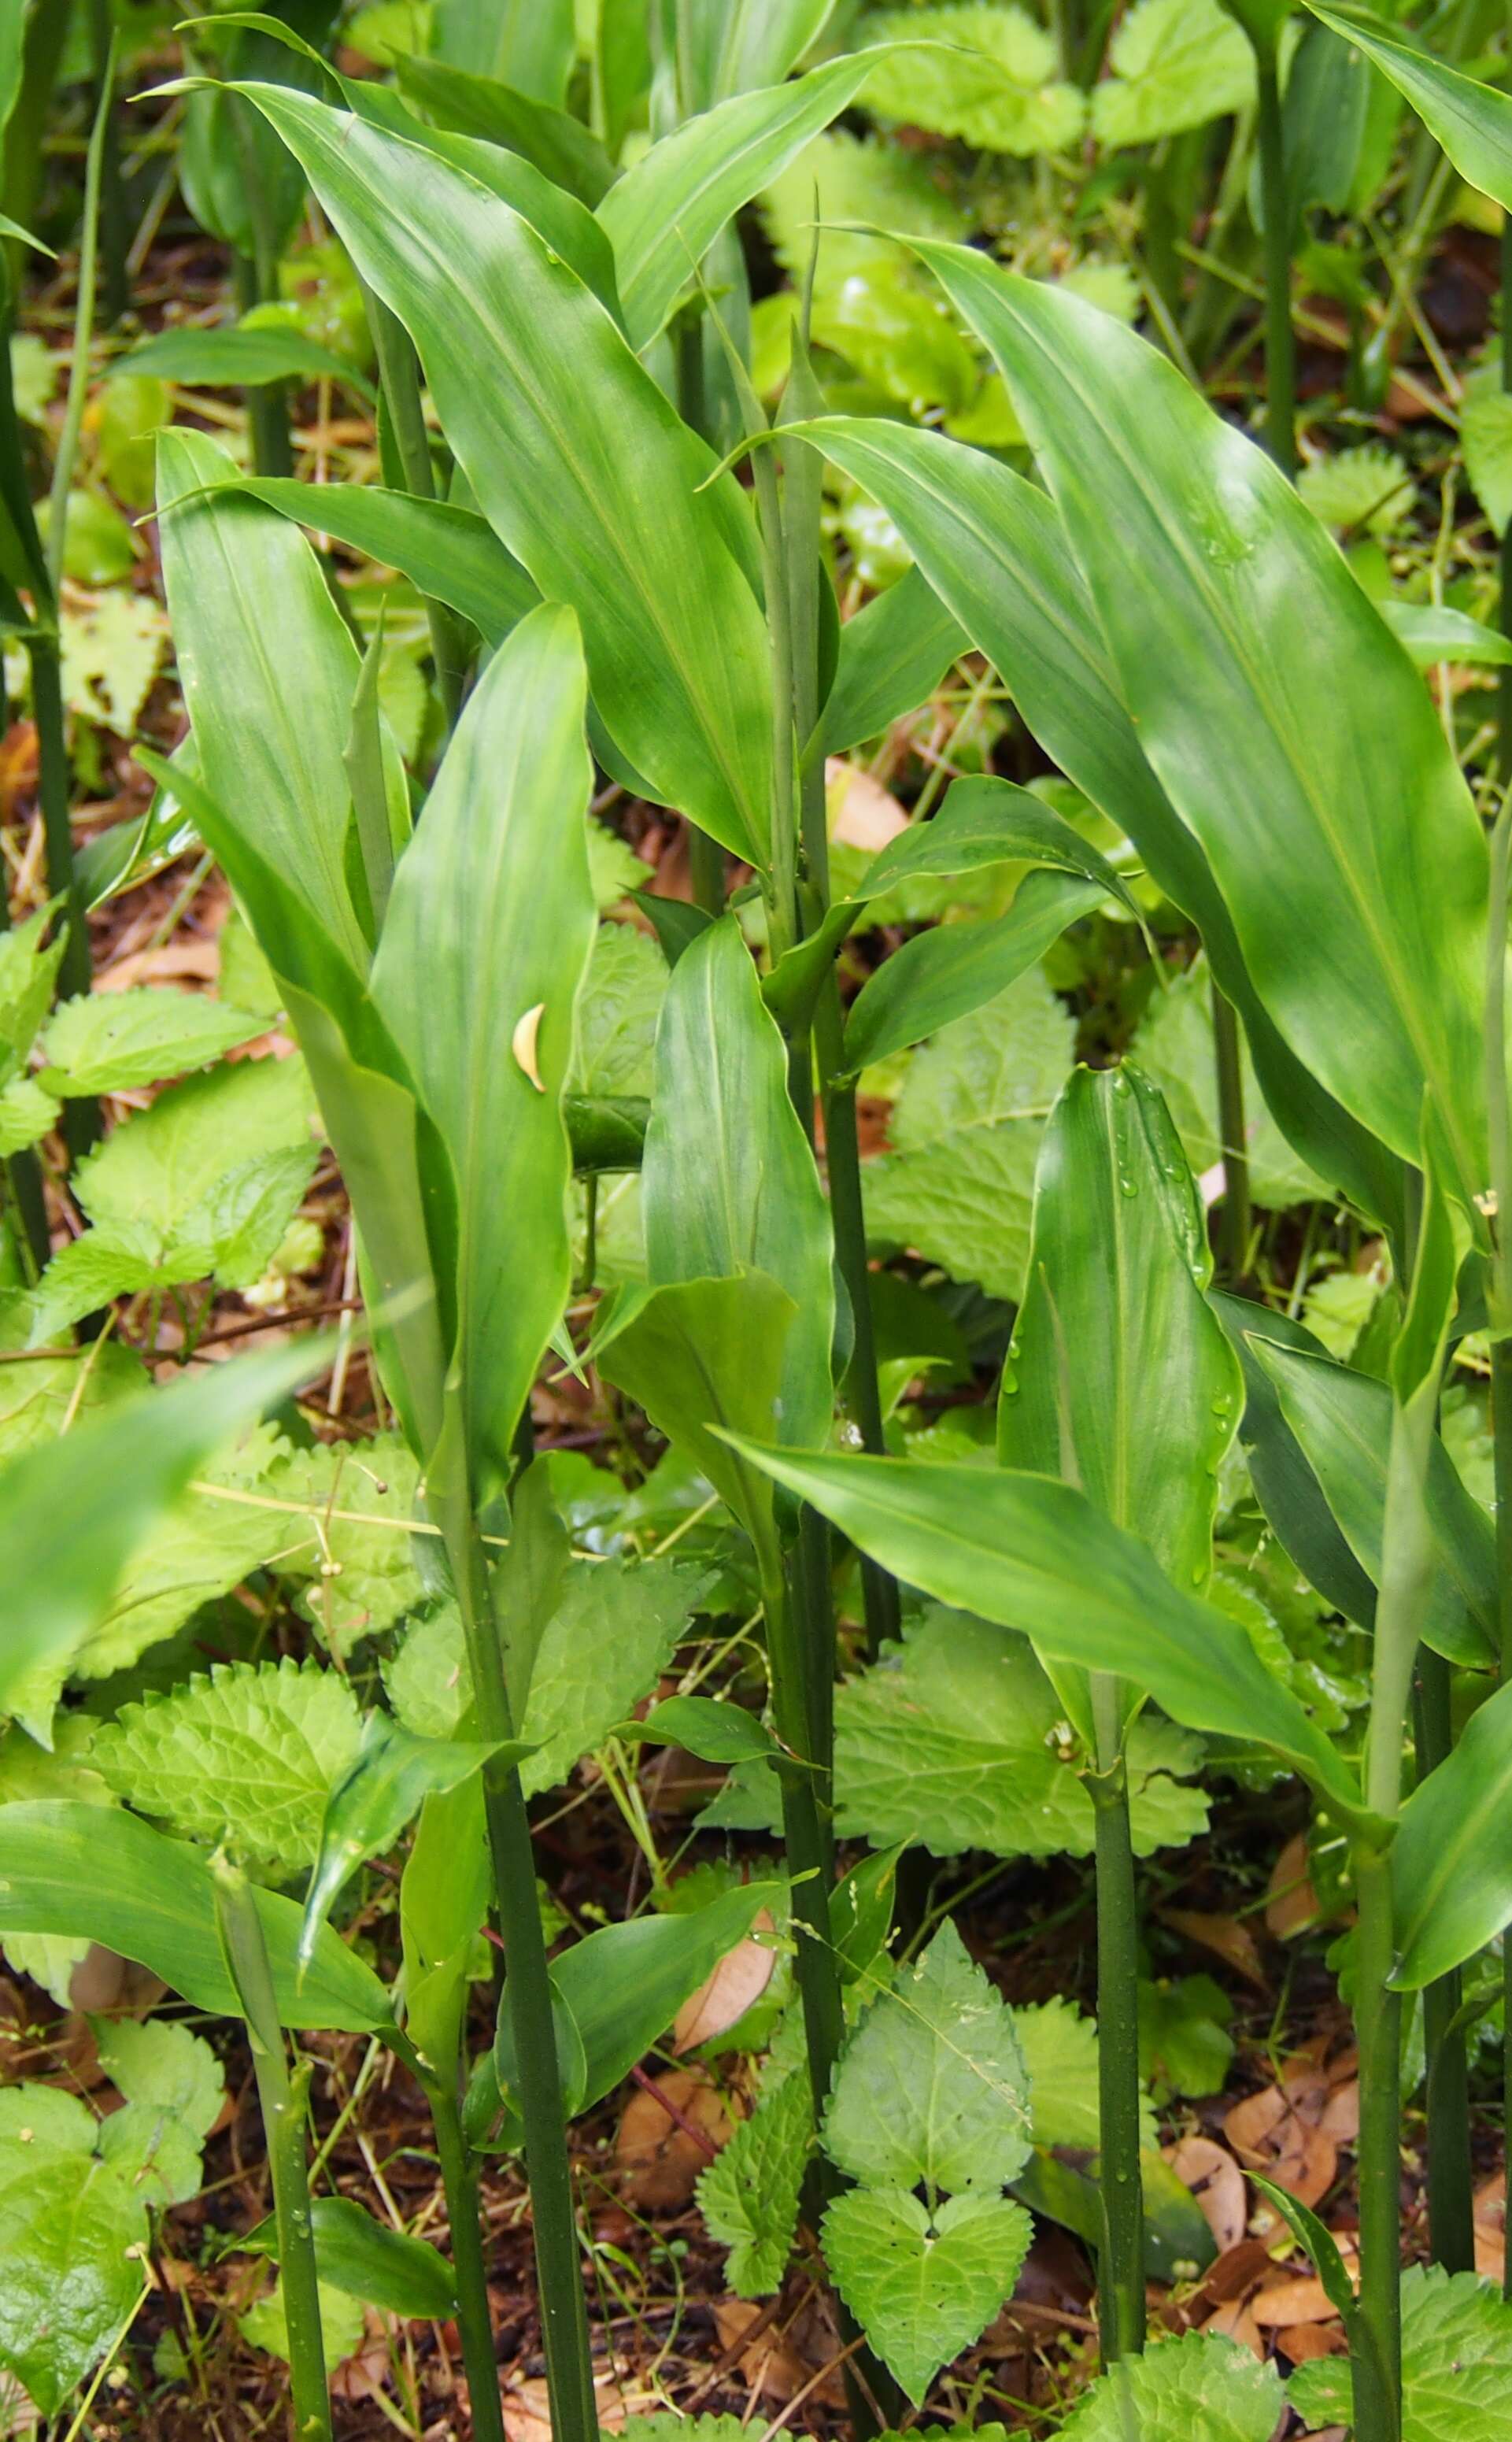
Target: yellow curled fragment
x=523, y=1044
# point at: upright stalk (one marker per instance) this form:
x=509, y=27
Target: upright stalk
x=459, y=2169
x=1234, y=1220
x=1499, y=1131
x=1281, y=347
x=527, y=1999
x=399, y=373
x=705, y=855
x=284, y=2100
x=257, y=282
x=1451, y=2186
x=113, y=199
x=1121, y=2283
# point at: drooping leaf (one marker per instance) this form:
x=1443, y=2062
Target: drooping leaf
x=250, y=1752
x=559, y=146
x=1201, y=2384
x=932, y=2087
x=1342, y=1423
x=1450, y=1871
x=1142, y=1414
x=950, y=970
x=892, y=654
x=622, y=1987
x=997, y=554
x=728, y=1181
x=1471, y=121
x=239, y=353
x=1036, y=1554
x=1295, y=792
x=1456, y=2335
x=383, y=1785
x=274, y=742
x=658, y=571
x=1433, y=635
x=153, y=1900
x=113, y=1482
x=366, y=2259
x=924, y=2285
x=494, y=911
x=984, y=822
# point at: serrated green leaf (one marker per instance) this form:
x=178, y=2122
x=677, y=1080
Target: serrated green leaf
x=1200, y=2384
x=614, y=870
x=1366, y=490
x=28, y=968
x=749, y=2194
x=1175, y=64
x=1060, y=2049
x=923, y=2287
x=110, y=650
x=1485, y=436
x=932, y=2089
x=1185, y=2046
x=25, y=1114
x=956, y=1739
x=1456, y=2348
x=356, y=1575
x=149, y=2148
x=342, y=2323
x=102, y=1042
x=958, y=1185
x=1006, y=99
x=67, y=2221
x=158, y=2061
x=618, y=1011
x=154, y=1171
x=249, y=1753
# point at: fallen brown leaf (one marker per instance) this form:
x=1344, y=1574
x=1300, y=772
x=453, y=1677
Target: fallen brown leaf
x=737, y=1983
x=779, y=2363
x=1218, y=2185
x=1300, y=2299
x=863, y=813
x=1301, y=2341
x=1235, y=2323
x=1228, y=1937
x=1292, y=1903
x=657, y=2161
x=527, y=2413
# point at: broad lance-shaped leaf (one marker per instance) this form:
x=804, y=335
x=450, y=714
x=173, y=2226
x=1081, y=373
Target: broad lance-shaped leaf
x=728, y=1183
x=952, y=968
x=576, y=458
x=1286, y=1485
x=366, y=2259
x=622, y=1987
x=401, y=1191
x=273, y=742
x=983, y=823
x=1291, y=736
x=559, y=146
x=1118, y=1376
x=892, y=656
x=1342, y=1423
x=1451, y=1860
x=735, y=45
x=703, y=1359
x=66, y=1870
x=1036, y=1554
x=1471, y=121
x=488, y=935
x=74, y=1512
x=449, y=553
x=994, y=550
x=389, y=1777
x=671, y=203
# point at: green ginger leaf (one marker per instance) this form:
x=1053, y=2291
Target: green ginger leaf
x=1456, y=2349
x=102, y=1042
x=923, y=2285
x=1175, y=64
x=1011, y=102
x=618, y=1011
x=248, y=1754
x=72, y=2236
x=932, y=2086
x=959, y=1184
x=1200, y=2384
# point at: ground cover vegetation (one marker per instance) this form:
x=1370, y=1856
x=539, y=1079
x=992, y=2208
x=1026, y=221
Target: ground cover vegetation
x=756, y=1337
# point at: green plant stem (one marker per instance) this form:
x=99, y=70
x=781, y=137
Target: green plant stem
x=528, y=2001
x=1121, y=2283
x=81, y=1120
x=115, y=241
x=1376, y=2330
x=878, y=1590
x=1281, y=347
x=73, y=415
x=1235, y=1219
x=267, y=412
x=283, y=2098
x=1499, y=1132
x=1451, y=2186
x=1502, y=1463
x=459, y=2169
x=399, y=373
